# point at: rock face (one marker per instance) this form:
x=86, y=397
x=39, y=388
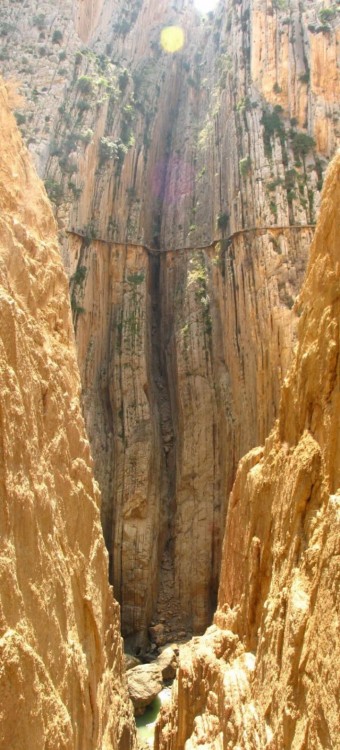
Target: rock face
x=186, y=188
x=176, y=366
x=62, y=680
x=266, y=674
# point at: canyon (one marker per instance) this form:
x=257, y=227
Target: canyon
x=184, y=156
x=186, y=187
x=62, y=679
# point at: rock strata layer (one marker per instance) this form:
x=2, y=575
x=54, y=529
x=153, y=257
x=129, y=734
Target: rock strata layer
x=62, y=682
x=266, y=674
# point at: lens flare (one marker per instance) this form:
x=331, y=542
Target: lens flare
x=172, y=180
x=205, y=6
x=172, y=38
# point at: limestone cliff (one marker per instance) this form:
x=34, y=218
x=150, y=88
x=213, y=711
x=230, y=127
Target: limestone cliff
x=186, y=187
x=266, y=674
x=62, y=682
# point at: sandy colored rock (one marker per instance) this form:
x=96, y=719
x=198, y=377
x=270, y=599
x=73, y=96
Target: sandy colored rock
x=62, y=681
x=144, y=684
x=167, y=662
x=266, y=674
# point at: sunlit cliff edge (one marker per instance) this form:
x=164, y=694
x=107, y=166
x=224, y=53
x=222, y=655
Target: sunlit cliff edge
x=61, y=669
x=266, y=674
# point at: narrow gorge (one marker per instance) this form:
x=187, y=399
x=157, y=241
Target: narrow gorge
x=183, y=146
x=62, y=678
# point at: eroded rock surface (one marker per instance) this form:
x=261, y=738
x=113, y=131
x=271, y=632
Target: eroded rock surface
x=62, y=681
x=266, y=674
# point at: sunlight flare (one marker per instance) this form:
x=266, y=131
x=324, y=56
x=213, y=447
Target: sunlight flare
x=172, y=38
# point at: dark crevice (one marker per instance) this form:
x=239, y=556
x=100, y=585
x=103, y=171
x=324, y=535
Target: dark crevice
x=160, y=331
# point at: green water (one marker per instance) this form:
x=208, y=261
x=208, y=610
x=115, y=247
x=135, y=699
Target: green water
x=146, y=723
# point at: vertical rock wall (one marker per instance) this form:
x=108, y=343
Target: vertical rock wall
x=266, y=674
x=168, y=351
x=62, y=682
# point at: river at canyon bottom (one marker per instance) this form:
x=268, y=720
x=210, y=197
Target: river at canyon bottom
x=146, y=723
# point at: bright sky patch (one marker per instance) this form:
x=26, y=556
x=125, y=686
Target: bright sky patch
x=205, y=6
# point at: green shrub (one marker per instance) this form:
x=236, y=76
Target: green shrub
x=325, y=28
x=57, y=36
x=79, y=276
x=271, y=186
x=327, y=14
x=280, y=4
x=272, y=125
x=86, y=136
x=305, y=77
x=85, y=85
x=54, y=190
x=110, y=150
x=20, y=118
x=302, y=143
x=39, y=21
x=136, y=278
x=55, y=149
x=77, y=191
x=273, y=208
x=82, y=105
x=90, y=233
x=222, y=220
x=243, y=104
x=290, y=178
x=76, y=309
x=6, y=28
x=123, y=80
x=67, y=166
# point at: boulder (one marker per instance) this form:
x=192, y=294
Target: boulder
x=167, y=662
x=130, y=661
x=144, y=683
x=157, y=634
